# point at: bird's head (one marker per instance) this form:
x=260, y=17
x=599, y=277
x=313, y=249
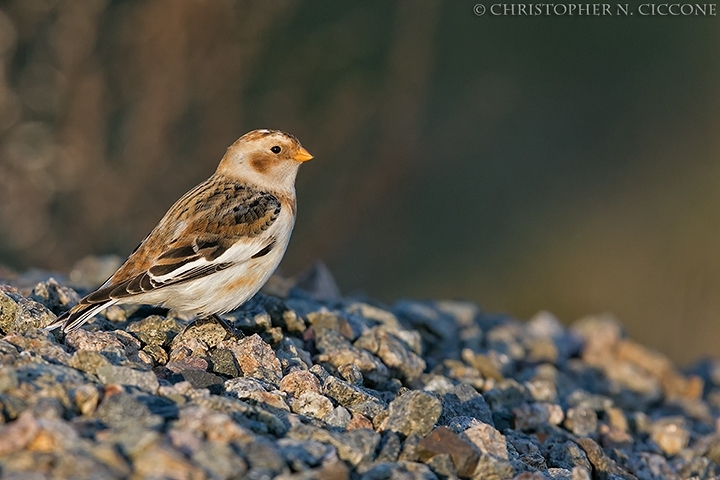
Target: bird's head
x=267, y=158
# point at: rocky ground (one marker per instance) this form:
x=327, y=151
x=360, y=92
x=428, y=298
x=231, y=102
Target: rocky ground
x=312, y=385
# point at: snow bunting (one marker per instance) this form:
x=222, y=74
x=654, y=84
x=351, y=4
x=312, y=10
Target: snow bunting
x=217, y=245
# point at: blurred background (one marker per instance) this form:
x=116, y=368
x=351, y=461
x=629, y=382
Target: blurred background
x=525, y=163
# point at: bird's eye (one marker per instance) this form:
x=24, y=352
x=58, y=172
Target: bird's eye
x=275, y=149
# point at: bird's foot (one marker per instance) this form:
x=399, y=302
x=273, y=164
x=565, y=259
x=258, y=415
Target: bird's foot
x=235, y=332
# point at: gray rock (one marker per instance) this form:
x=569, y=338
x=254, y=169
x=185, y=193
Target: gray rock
x=340, y=389
x=650, y=466
x=700, y=467
x=223, y=363
x=463, y=400
x=354, y=446
x=54, y=296
x=565, y=454
x=581, y=421
x=507, y=394
x=461, y=423
x=401, y=469
x=493, y=468
x=582, y=399
x=248, y=388
x=337, y=350
x=393, y=351
x=262, y=455
x=439, y=330
x=155, y=330
x=20, y=314
x=390, y=447
x=351, y=373
x=292, y=357
x=372, y=315
x=122, y=410
x=534, y=460
x=339, y=417
x=219, y=460
x=128, y=376
x=200, y=379
x=303, y=455
x=320, y=372
x=40, y=343
x=413, y=412
x=290, y=321
x=251, y=317
x=8, y=379
x=161, y=461
x=355, y=398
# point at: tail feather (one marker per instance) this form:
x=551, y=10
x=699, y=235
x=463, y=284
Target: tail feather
x=78, y=315
x=59, y=322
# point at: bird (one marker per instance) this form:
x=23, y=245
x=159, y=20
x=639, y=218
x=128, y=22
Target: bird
x=218, y=244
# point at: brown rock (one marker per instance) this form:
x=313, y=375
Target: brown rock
x=164, y=462
x=18, y=434
x=298, y=382
x=86, y=398
x=255, y=358
x=44, y=442
x=209, y=330
x=359, y=421
x=602, y=464
x=488, y=439
x=92, y=341
x=335, y=469
x=187, y=363
x=443, y=440
x=653, y=362
x=670, y=434
x=612, y=437
x=351, y=373
x=311, y=404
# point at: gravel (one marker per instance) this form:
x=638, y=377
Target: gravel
x=314, y=385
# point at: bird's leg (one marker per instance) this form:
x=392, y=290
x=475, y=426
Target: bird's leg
x=232, y=330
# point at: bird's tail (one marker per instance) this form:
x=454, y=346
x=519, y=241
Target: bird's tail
x=78, y=315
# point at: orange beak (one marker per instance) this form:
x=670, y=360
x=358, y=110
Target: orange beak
x=303, y=155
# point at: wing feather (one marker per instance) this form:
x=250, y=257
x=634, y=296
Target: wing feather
x=189, y=243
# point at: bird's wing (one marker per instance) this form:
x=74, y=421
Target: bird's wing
x=189, y=243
